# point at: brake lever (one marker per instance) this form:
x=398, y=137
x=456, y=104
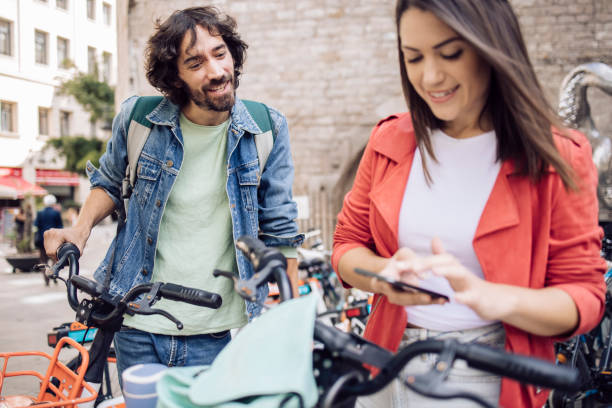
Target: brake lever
x=431, y=383
x=246, y=289
x=143, y=306
x=52, y=272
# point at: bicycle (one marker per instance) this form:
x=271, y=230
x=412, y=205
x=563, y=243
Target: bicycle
x=105, y=313
x=314, y=264
x=591, y=355
x=339, y=357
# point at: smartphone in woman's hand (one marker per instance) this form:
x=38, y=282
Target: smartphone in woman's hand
x=401, y=286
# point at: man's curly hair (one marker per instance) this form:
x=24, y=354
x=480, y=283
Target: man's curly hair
x=164, y=47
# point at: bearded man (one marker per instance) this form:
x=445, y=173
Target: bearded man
x=200, y=185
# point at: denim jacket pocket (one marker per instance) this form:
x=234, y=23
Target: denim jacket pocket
x=148, y=173
x=248, y=180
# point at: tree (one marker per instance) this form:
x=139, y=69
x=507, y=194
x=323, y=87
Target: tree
x=78, y=150
x=97, y=98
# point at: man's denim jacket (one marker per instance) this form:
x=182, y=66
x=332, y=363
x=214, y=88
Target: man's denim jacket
x=261, y=205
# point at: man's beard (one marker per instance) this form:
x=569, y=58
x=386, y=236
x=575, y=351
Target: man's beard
x=221, y=103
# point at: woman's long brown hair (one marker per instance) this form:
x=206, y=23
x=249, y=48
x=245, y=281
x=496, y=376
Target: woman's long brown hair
x=522, y=117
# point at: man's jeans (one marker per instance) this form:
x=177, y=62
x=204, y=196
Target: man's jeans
x=134, y=346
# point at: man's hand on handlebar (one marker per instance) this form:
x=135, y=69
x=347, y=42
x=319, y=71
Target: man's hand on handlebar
x=54, y=238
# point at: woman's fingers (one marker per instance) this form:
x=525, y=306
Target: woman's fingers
x=404, y=254
x=436, y=246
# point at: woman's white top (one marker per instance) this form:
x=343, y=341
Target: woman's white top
x=449, y=208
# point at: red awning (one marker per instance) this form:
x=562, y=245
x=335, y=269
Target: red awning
x=13, y=186
x=56, y=177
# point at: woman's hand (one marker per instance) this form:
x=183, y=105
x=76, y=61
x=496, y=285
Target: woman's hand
x=403, y=266
x=547, y=311
x=489, y=300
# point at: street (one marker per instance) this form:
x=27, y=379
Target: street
x=29, y=310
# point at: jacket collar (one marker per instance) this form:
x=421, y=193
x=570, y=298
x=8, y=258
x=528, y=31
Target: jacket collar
x=396, y=140
x=242, y=119
x=501, y=210
x=167, y=114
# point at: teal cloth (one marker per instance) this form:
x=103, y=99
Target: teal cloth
x=270, y=359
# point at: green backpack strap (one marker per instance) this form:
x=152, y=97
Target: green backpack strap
x=138, y=132
x=139, y=128
x=264, y=142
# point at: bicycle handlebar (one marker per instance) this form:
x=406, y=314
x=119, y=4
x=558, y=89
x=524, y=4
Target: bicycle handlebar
x=259, y=254
x=114, y=307
x=521, y=368
x=68, y=254
x=193, y=296
x=269, y=264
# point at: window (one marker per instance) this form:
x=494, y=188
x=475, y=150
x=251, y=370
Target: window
x=7, y=116
x=6, y=32
x=107, y=66
x=65, y=123
x=107, y=11
x=91, y=9
x=62, y=4
x=63, y=52
x=92, y=65
x=40, y=44
x=43, y=121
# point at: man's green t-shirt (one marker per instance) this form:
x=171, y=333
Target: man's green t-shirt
x=195, y=237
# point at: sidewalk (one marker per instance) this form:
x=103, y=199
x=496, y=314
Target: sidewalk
x=6, y=249
x=97, y=245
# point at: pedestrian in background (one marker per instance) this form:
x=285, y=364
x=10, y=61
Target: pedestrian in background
x=478, y=192
x=47, y=218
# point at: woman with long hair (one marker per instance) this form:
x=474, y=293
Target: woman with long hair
x=478, y=192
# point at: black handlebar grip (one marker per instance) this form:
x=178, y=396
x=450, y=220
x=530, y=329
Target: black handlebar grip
x=190, y=295
x=258, y=253
x=522, y=368
x=253, y=248
x=68, y=248
x=87, y=285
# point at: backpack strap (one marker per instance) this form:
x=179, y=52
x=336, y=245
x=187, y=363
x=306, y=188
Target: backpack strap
x=138, y=132
x=264, y=142
x=139, y=129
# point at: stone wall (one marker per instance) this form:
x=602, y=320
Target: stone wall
x=331, y=67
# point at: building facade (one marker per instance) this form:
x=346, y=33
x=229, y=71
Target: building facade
x=332, y=68
x=43, y=42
